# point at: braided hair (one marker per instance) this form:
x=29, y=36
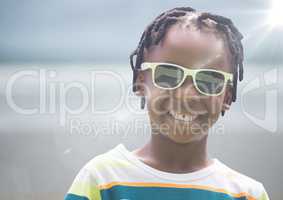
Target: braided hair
x=156, y=31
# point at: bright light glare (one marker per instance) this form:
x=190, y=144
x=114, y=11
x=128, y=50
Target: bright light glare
x=276, y=13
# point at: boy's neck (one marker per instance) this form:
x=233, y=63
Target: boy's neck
x=164, y=154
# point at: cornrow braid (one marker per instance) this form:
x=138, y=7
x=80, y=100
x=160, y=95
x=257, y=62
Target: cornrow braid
x=156, y=31
x=159, y=26
x=234, y=38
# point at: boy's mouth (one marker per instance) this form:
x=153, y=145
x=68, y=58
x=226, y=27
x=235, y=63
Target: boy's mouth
x=182, y=117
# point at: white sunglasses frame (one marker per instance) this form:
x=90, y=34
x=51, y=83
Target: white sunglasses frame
x=228, y=77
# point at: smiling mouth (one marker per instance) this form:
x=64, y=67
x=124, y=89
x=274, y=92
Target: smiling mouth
x=182, y=117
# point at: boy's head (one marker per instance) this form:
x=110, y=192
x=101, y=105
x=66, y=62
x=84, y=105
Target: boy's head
x=186, y=39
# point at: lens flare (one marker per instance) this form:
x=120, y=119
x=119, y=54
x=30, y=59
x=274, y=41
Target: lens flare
x=275, y=17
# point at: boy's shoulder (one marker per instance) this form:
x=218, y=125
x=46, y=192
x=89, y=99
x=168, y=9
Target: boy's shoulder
x=110, y=161
x=111, y=158
x=238, y=181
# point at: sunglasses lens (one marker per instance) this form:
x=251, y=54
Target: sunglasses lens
x=167, y=76
x=210, y=82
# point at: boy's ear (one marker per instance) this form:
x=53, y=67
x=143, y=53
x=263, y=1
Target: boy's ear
x=227, y=99
x=140, y=84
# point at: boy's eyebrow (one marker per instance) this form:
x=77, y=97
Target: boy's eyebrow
x=202, y=64
x=205, y=62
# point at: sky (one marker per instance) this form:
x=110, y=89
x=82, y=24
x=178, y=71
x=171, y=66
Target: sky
x=107, y=31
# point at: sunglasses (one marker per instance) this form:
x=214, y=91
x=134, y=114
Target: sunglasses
x=169, y=76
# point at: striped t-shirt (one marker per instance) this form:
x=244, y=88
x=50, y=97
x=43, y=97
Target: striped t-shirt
x=119, y=175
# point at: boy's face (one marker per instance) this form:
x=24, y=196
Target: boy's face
x=192, y=49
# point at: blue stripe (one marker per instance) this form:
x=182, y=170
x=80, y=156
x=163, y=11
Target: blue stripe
x=75, y=197
x=162, y=193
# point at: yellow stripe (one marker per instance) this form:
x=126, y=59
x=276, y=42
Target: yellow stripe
x=85, y=189
x=264, y=196
x=236, y=195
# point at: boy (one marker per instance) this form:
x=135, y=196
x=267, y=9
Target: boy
x=186, y=70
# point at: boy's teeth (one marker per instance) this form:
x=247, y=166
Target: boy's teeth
x=186, y=118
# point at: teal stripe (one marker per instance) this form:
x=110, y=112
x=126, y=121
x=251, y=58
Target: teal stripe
x=75, y=197
x=165, y=193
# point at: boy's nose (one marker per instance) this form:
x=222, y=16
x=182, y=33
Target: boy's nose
x=187, y=90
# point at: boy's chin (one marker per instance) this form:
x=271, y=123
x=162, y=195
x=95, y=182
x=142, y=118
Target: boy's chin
x=185, y=138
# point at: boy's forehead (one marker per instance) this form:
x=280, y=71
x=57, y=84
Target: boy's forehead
x=192, y=47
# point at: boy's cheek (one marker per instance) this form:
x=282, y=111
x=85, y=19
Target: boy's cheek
x=214, y=106
x=158, y=104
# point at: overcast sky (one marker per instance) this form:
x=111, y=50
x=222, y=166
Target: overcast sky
x=107, y=31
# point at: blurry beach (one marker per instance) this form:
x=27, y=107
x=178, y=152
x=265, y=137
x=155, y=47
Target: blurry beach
x=41, y=153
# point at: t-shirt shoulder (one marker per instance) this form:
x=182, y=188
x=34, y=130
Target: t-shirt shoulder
x=106, y=161
x=234, y=179
x=86, y=183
